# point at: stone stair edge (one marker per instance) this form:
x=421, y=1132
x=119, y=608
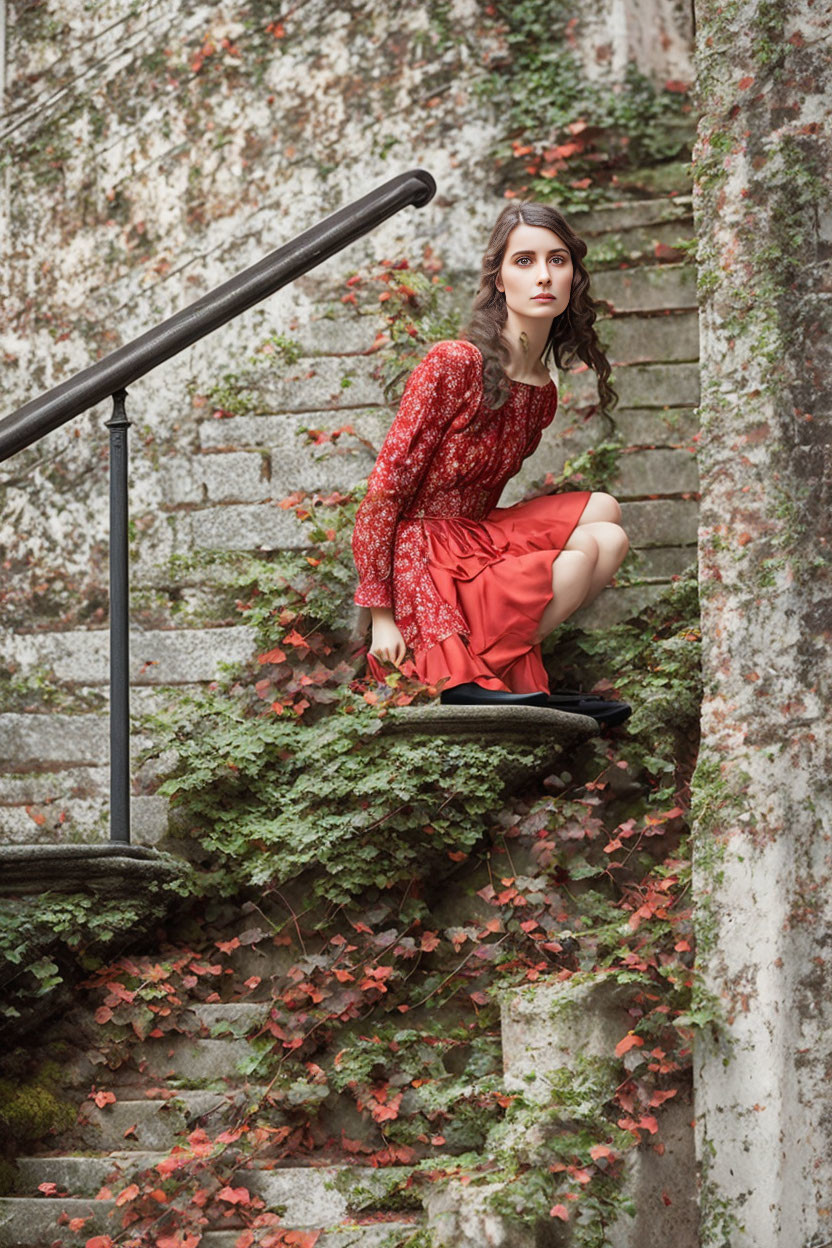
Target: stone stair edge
x=330, y=1170
x=351, y=1175
x=30, y=1229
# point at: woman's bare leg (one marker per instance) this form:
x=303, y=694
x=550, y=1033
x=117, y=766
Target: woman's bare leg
x=613, y=545
x=572, y=574
x=599, y=536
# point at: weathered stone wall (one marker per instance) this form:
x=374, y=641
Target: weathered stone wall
x=761, y=790
x=153, y=151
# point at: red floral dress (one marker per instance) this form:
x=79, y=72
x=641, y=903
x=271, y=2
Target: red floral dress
x=467, y=580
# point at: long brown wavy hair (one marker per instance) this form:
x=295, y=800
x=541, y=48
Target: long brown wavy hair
x=571, y=335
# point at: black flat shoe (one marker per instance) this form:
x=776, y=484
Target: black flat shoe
x=604, y=711
x=472, y=694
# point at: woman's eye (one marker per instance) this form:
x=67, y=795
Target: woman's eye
x=558, y=258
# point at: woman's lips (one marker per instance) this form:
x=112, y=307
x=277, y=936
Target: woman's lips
x=544, y=298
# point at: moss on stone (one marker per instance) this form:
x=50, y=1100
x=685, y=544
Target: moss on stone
x=31, y=1110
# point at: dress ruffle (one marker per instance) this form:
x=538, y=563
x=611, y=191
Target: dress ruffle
x=498, y=573
x=460, y=548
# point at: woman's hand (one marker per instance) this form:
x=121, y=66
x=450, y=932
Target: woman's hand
x=387, y=644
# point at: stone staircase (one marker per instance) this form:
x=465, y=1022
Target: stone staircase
x=166, y=1089
x=173, y=1086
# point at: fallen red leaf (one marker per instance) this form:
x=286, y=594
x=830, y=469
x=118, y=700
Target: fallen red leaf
x=234, y=1195
x=630, y=1041
x=103, y=1098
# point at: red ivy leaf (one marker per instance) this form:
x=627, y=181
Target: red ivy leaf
x=102, y=1098
x=630, y=1041
x=235, y=1195
x=272, y=656
x=658, y=1098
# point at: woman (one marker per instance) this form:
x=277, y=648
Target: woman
x=470, y=587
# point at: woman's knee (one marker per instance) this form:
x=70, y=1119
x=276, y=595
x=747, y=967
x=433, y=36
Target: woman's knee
x=585, y=542
x=611, y=540
x=616, y=542
x=601, y=506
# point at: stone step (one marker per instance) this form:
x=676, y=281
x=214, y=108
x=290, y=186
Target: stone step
x=627, y=214
x=647, y=288
x=107, y=868
x=237, y=526
x=660, y=563
x=80, y=822
x=212, y=1063
x=655, y=472
x=236, y=476
x=186, y=1058
x=154, y=1122
x=637, y=245
x=531, y=725
x=157, y=657
x=274, y=432
x=617, y=604
x=81, y=1175
x=304, y=1195
x=264, y=961
x=260, y=957
x=672, y=426
x=231, y=1017
x=209, y=480
x=32, y=787
x=656, y=522
x=337, y=335
x=637, y=385
x=30, y=1222
x=29, y=739
x=652, y=339
x=319, y=384
x=395, y=1233
x=213, y=1057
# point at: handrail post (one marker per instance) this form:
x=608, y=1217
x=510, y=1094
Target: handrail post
x=118, y=425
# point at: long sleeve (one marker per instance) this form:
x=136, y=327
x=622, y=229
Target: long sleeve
x=435, y=392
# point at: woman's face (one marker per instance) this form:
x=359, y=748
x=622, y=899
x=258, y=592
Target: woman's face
x=535, y=262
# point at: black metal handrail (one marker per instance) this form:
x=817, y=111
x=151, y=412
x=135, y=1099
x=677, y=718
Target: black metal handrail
x=111, y=376
x=125, y=365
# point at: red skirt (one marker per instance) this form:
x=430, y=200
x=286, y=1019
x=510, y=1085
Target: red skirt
x=498, y=573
